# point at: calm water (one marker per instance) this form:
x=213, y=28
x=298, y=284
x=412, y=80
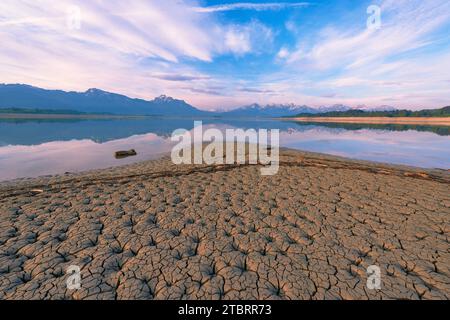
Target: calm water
x=30, y=148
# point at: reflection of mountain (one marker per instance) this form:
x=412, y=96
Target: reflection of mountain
x=31, y=132
x=439, y=130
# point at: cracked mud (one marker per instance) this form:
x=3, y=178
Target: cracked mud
x=158, y=231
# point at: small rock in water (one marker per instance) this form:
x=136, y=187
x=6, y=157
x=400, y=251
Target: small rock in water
x=124, y=154
x=36, y=191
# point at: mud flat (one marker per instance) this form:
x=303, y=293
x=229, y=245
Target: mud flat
x=158, y=231
x=437, y=121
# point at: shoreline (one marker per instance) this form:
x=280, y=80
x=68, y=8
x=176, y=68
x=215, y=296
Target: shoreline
x=20, y=116
x=437, y=121
x=312, y=157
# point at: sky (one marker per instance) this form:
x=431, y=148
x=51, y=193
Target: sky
x=226, y=54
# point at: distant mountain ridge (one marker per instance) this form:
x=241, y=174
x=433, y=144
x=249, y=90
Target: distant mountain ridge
x=22, y=96
x=286, y=110
x=91, y=101
x=256, y=110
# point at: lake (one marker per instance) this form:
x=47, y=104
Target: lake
x=31, y=148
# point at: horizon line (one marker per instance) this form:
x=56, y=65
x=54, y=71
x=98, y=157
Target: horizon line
x=219, y=110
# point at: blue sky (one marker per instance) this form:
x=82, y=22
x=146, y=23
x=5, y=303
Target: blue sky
x=224, y=54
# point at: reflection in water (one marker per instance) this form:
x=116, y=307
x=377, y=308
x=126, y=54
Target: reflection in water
x=439, y=130
x=58, y=157
x=32, y=132
x=31, y=148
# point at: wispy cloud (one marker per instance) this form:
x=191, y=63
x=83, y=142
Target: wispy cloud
x=407, y=25
x=255, y=90
x=246, y=38
x=179, y=77
x=137, y=48
x=205, y=91
x=379, y=63
x=252, y=6
x=181, y=48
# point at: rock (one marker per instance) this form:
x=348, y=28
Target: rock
x=124, y=154
x=36, y=191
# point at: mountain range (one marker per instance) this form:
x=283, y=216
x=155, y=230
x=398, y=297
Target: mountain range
x=283, y=110
x=91, y=101
x=21, y=96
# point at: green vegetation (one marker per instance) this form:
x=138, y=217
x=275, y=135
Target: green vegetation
x=37, y=111
x=443, y=112
x=48, y=111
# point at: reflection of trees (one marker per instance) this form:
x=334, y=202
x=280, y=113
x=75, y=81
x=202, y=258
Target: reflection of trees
x=36, y=131
x=439, y=130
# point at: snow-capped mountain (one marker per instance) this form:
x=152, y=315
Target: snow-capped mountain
x=99, y=101
x=91, y=101
x=283, y=110
x=273, y=110
x=379, y=108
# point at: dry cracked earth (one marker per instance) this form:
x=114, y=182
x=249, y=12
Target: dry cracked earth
x=158, y=231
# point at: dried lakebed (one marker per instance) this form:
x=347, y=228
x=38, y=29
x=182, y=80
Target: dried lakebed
x=158, y=231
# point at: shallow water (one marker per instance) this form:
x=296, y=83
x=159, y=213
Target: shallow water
x=31, y=148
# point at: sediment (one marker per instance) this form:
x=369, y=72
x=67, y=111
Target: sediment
x=156, y=230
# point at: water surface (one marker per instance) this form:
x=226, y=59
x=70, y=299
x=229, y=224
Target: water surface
x=30, y=148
